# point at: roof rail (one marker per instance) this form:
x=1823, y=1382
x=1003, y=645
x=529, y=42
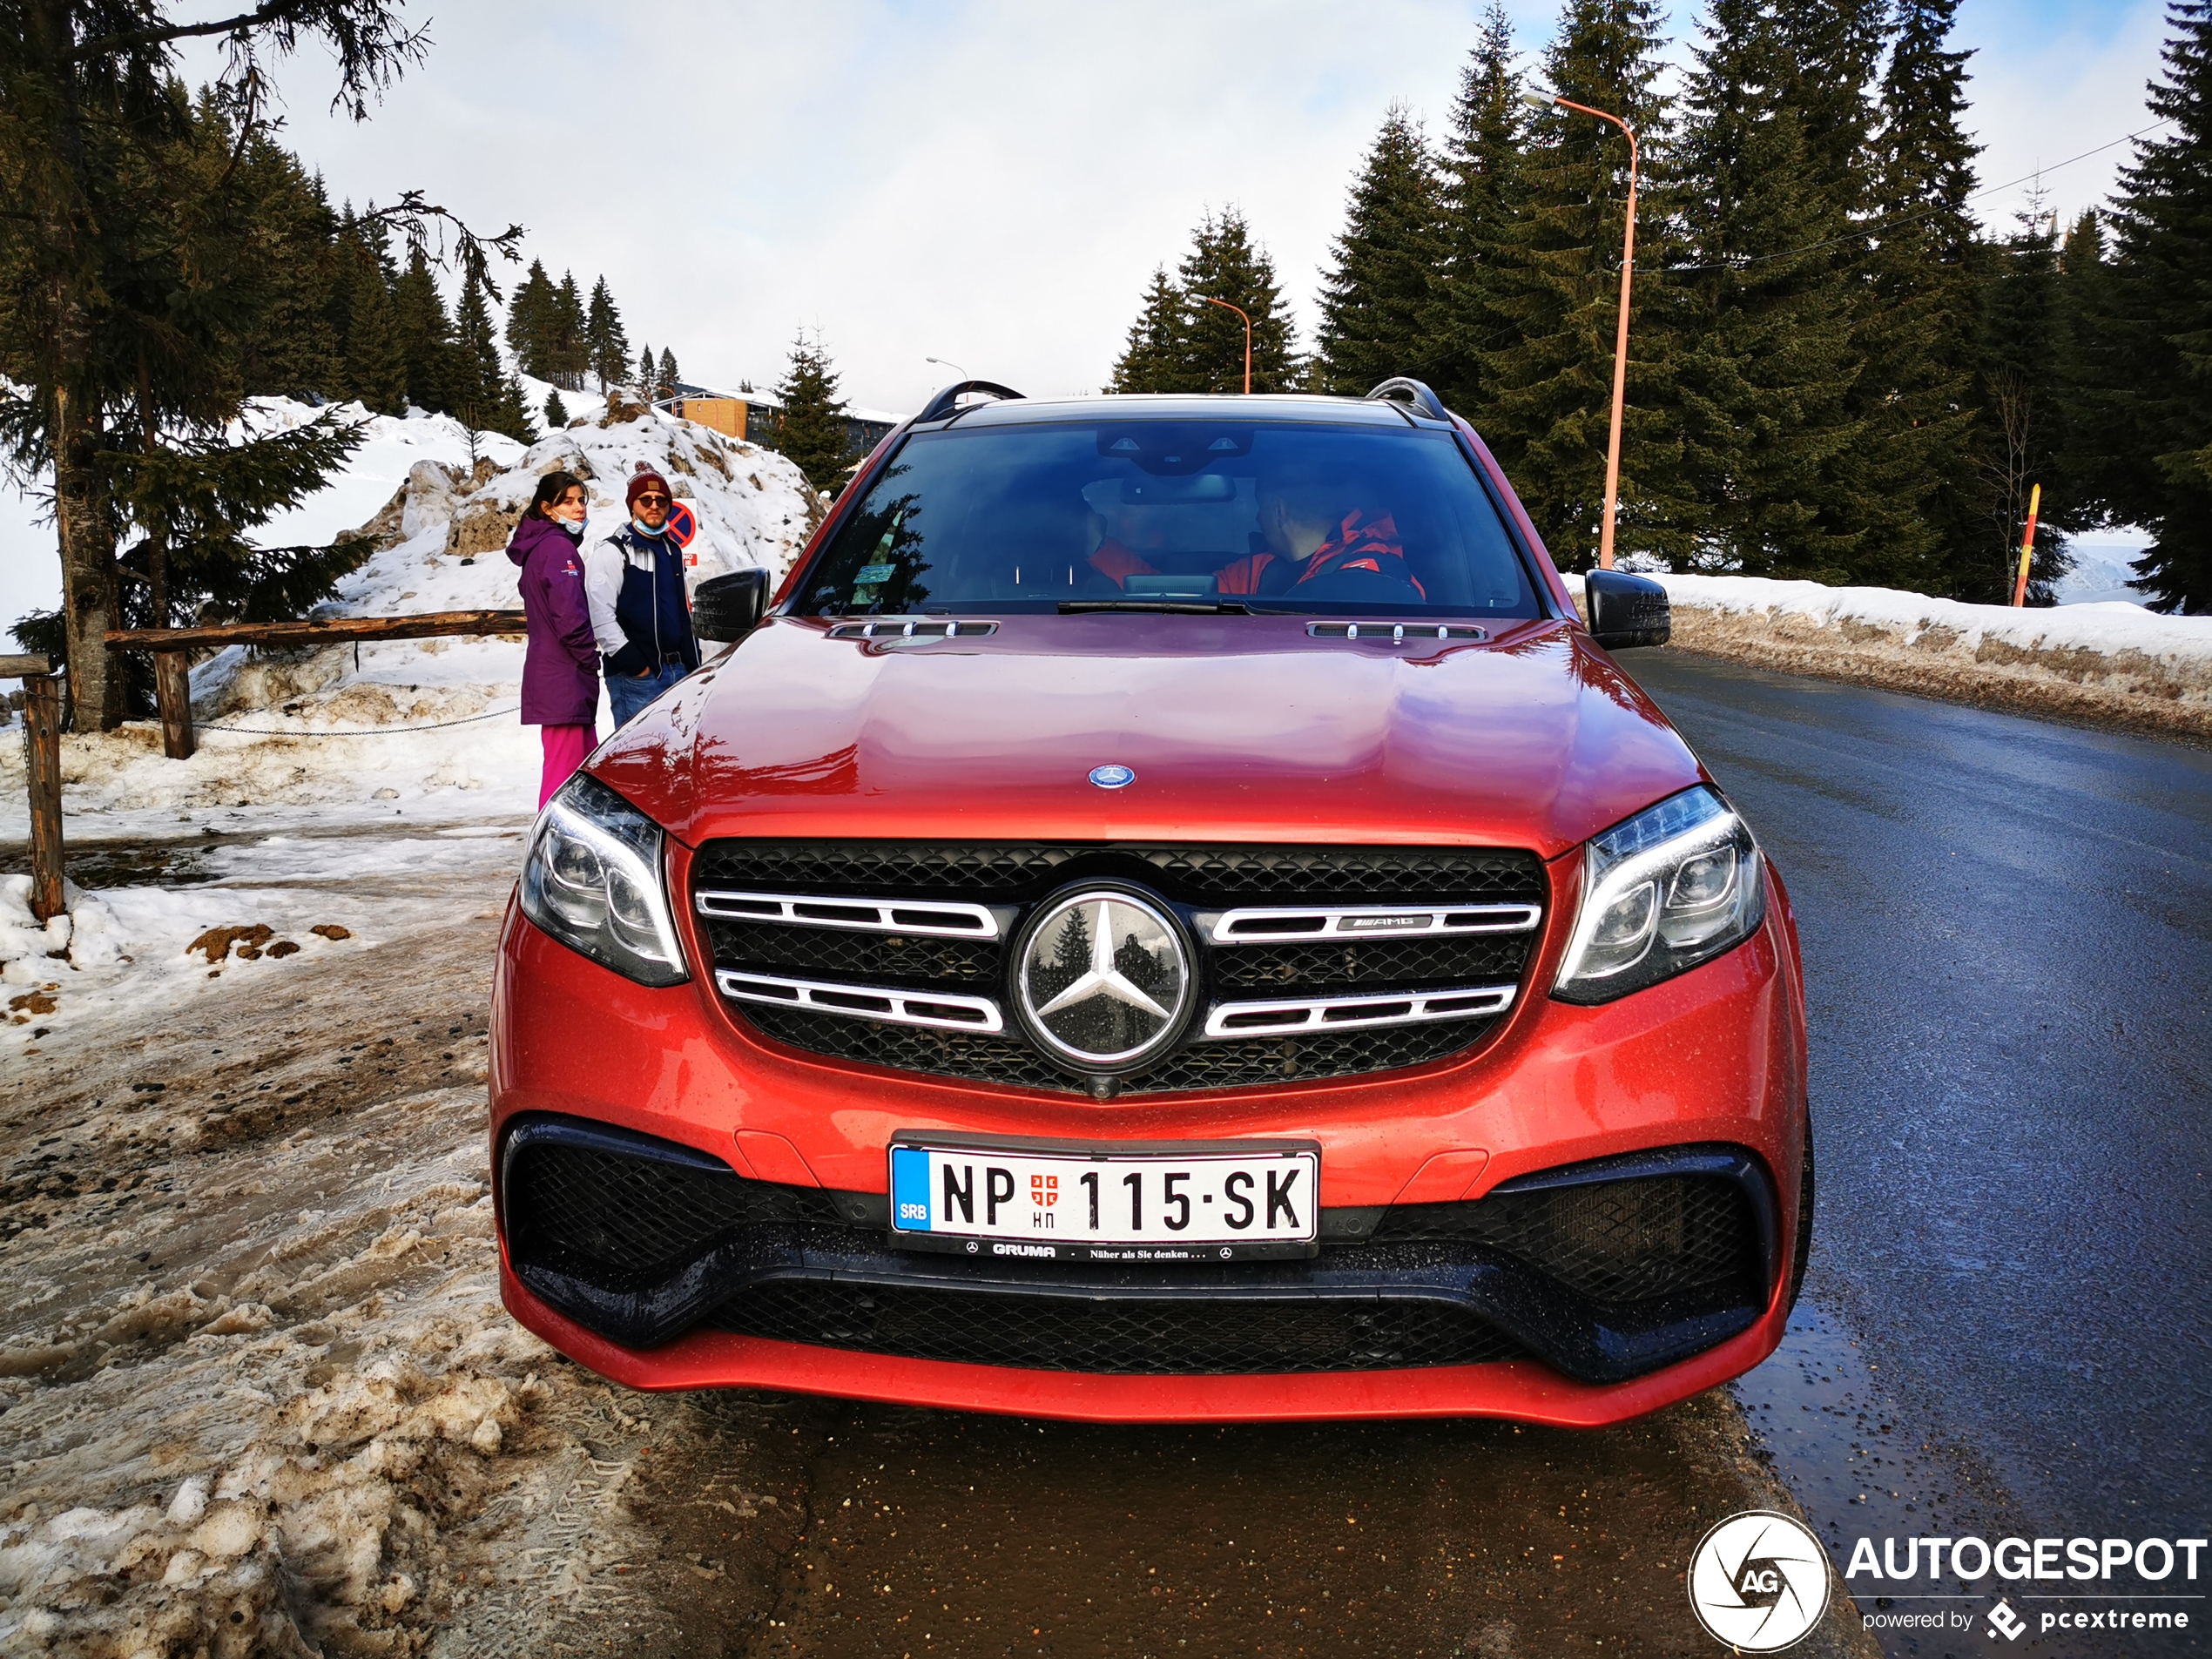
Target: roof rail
x=1399, y=389
x=946, y=401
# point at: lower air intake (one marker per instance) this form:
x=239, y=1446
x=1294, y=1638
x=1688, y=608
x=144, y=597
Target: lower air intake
x=1126, y=1337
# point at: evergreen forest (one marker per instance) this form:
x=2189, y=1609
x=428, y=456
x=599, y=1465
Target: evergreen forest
x=1837, y=371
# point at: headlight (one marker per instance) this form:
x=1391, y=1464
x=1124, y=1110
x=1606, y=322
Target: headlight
x=1673, y=886
x=593, y=881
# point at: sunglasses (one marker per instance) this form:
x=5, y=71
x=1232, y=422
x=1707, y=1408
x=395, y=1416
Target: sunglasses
x=649, y=498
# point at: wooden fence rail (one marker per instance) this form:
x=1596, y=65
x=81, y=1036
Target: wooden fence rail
x=171, y=673
x=172, y=690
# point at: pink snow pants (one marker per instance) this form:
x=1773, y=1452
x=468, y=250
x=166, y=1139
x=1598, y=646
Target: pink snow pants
x=565, y=748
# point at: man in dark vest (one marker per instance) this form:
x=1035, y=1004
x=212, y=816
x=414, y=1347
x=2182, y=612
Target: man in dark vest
x=640, y=614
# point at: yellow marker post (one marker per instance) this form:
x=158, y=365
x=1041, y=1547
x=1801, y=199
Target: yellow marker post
x=2027, y=545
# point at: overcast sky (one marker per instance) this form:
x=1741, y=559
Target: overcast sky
x=981, y=180
x=992, y=182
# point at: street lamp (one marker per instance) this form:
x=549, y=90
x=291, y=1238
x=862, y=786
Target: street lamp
x=941, y=363
x=1545, y=101
x=1208, y=300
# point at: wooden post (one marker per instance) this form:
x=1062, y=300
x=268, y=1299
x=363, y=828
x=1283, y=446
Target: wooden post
x=172, y=693
x=42, y=716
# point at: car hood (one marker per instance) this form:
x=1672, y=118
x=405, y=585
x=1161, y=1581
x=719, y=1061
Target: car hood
x=1238, y=729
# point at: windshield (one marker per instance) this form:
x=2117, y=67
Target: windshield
x=1327, y=520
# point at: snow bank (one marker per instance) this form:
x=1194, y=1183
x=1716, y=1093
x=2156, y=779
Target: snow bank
x=2115, y=663
x=407, y=729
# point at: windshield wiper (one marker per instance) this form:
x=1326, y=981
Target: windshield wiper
x=1183, y=607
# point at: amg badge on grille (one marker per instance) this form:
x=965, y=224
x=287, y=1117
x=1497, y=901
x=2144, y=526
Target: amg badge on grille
x=1102, y=980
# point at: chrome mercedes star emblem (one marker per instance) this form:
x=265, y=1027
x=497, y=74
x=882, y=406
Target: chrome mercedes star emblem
x=1104, y=978
x=1112, y=777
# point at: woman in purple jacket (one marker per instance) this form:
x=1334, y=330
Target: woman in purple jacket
x=561, y=670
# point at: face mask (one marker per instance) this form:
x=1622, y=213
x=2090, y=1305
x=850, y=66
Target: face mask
x=575, y=526
x=644, y=529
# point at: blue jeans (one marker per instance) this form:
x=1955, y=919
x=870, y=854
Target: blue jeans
x=629, y=693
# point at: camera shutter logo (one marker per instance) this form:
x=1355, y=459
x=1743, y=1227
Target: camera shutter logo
x=1759, y=1582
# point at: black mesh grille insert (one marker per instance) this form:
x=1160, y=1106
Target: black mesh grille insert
x=907, y=957
x=1191, y=875
x=1013, y=1063
x=1119, y=1337
x=1613, y=1241
x=620, y=1220
x=1200, y=877
x=1466, y=958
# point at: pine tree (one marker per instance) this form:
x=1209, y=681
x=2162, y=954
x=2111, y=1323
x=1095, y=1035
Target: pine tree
x=375, y=358
x=811, y=430
x=1148, y=363
x=487, y=398
x=426, y=334
x=1377, y=298
x=1223, y=264
x=665, y=378
x=1481, y=194
x=648, y=374
x=1551, y=302
x=1768, y=435
x=568, y=357
x=2026, y=430
x=532, y=322
x=605, y=343
x=1919, y=328
x=2158, y=402
x=557, y=413
x=289, y=347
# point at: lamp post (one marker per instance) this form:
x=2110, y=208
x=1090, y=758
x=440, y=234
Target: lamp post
x=1544, y=101
x=1208, y=300
x=943, y=363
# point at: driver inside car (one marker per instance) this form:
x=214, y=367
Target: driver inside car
x=1322, y=545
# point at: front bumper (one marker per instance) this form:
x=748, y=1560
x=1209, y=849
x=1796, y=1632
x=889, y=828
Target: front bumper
x=1708, y=1066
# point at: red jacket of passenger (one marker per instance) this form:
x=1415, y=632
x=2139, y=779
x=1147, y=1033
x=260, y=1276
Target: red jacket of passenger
x=1361, y=542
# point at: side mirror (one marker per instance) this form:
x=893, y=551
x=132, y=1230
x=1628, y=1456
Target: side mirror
x=726, y=608
x=1626, y=609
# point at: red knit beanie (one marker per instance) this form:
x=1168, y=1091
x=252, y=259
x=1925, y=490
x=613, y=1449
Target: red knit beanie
x=638, y=480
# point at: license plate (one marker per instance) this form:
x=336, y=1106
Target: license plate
x=1157, y=1203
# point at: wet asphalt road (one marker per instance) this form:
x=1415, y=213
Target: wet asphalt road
x=2007, y=931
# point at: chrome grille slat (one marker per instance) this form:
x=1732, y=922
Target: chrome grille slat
x=876, y=1003
x=936, y=918
x=1288, y=1017
x=1277, y=924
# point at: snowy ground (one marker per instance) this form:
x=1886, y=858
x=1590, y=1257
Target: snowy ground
x=257, y=1394
x=2112, y=662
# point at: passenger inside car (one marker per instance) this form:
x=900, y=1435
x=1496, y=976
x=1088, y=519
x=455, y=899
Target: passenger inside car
x=1316, y=536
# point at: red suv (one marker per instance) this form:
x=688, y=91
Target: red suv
x=1170, y=913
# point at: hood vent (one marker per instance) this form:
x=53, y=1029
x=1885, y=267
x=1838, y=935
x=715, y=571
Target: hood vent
x=912, y=627
x=1397, y=632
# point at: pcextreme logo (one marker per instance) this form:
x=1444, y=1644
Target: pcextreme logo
x=1758, y=1582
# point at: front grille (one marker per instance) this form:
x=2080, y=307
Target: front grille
x=1200, y=877
x=1127, y=1337
x=1612, y=1242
